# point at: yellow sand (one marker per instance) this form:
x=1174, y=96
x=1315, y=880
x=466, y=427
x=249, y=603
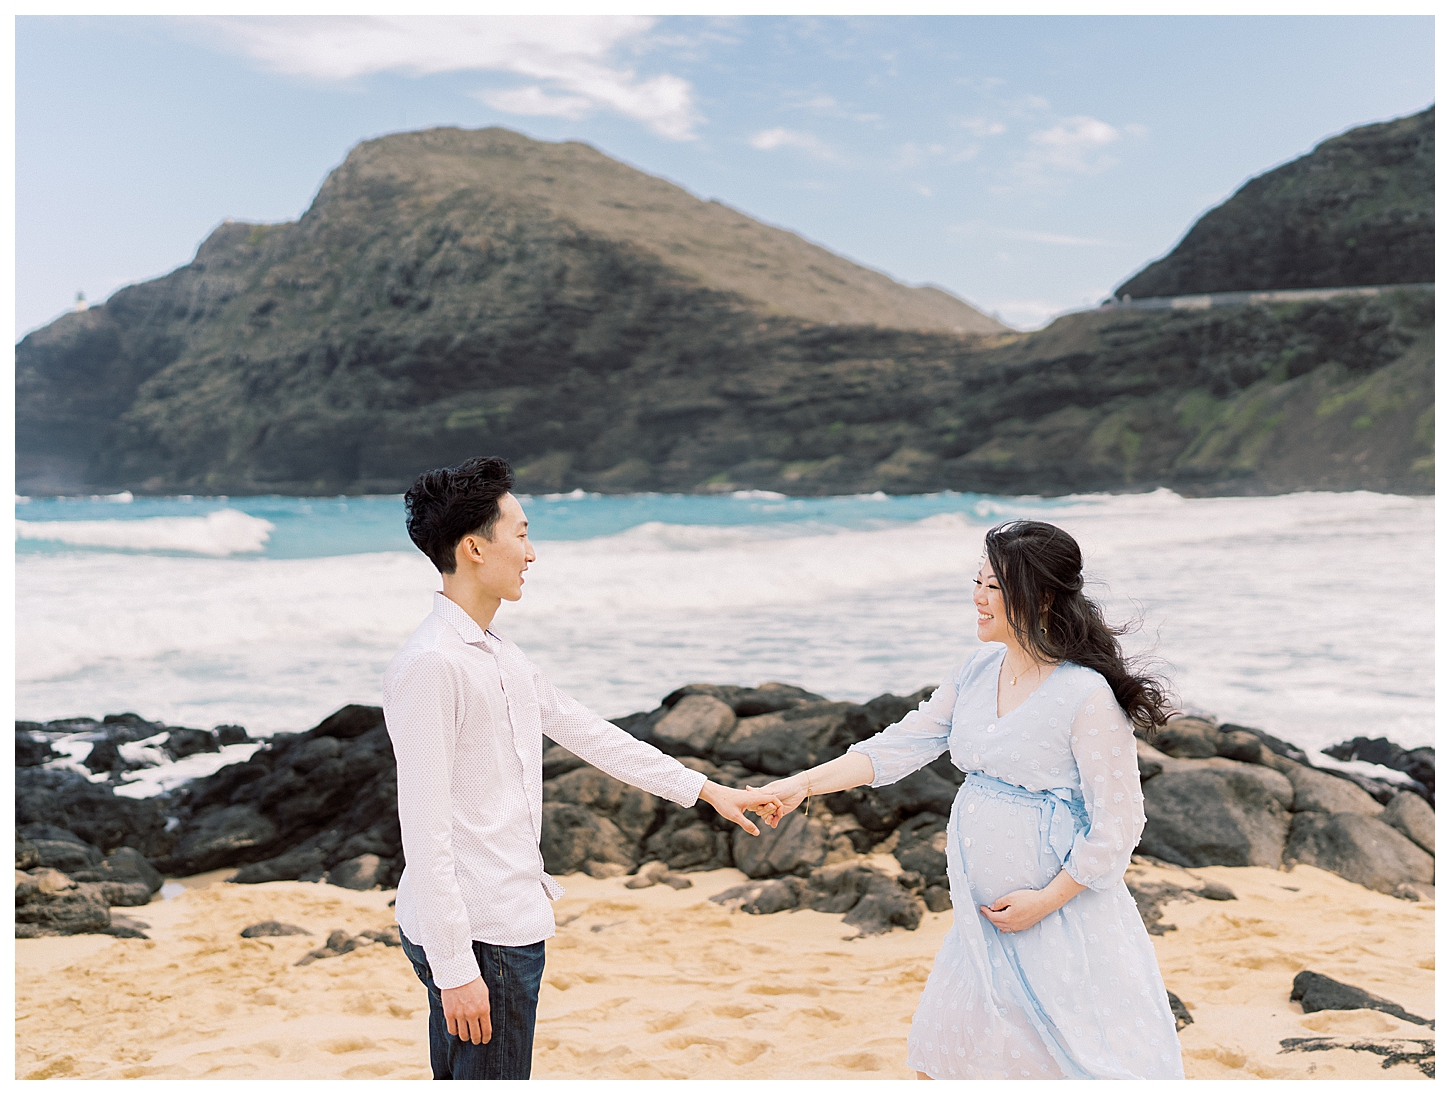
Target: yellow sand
x=661, y=983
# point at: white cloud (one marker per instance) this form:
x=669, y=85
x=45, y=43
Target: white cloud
x=1074, y=146
x=570, y=59
x=1054, y=238
x=982, y=228
x=767, y=140
x=911, y=154
x=1073, y=142
x=535, y=100
x=980, y=127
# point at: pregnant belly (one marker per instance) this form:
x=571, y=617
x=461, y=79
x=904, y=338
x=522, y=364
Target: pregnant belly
x=997, y=844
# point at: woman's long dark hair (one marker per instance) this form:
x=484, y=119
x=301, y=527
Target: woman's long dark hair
x=1039, y=569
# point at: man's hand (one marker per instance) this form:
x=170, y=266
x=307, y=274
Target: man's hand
x=791, y=792
x=466, y=1009
x=732, y=804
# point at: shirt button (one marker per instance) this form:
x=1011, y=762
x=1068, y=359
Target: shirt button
x=991, y=728
x=972, y=809
x=976, y=759
x=966, y=842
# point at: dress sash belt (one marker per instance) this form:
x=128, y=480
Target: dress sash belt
x=1066, y=812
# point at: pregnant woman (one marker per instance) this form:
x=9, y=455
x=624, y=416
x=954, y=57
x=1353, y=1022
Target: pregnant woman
x=1047, y=971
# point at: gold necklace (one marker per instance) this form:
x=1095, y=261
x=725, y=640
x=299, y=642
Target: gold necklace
x=1016, y=675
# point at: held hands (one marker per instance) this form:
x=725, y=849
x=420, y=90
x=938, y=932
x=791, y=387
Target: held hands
x=848, y=770
x=466, y=1009
x=731, y=804
x=789, y=792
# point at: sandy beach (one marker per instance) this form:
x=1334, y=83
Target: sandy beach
x=659, y=983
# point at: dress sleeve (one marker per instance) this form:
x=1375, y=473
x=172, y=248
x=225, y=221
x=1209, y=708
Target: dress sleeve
x=1107, y=763
x=915, y=741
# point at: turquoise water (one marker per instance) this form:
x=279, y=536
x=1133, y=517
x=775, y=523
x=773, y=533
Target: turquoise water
x=311, y=528
x=1309, y=615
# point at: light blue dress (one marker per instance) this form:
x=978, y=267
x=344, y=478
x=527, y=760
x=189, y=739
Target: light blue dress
x=1052, y=784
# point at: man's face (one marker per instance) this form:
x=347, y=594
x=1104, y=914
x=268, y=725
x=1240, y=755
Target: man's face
x=499, y=563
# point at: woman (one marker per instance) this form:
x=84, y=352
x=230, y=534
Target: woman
x=1048, y=971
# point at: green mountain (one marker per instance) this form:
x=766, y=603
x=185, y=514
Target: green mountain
x=455, y=292
x=1358, y=210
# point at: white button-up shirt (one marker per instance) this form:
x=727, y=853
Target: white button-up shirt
x=467, y=712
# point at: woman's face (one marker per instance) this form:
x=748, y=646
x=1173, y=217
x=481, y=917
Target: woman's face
x=992, y=624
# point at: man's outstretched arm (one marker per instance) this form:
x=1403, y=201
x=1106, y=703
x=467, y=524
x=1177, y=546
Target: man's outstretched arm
x=623, y=756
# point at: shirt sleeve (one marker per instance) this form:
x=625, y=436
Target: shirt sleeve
x=569, y=723
x=915, y=741
x=1107, y=763
x=422, y=710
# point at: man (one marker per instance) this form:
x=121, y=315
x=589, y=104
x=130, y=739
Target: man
x=467, y=712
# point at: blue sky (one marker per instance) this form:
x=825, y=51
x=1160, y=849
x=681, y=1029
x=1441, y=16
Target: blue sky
x=1028, y=165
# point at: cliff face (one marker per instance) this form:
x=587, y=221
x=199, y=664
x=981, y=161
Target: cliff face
x=452, y=293
x=1357, y=210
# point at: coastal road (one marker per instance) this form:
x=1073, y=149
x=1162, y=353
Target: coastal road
x=1199, y=301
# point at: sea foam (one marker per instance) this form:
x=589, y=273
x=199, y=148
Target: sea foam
x=1308, y=615
x=223, y=532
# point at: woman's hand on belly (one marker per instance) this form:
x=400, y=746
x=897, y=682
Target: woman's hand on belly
x=1020, y=909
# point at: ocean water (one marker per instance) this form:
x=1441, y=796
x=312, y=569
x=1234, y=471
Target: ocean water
x=1309, y=615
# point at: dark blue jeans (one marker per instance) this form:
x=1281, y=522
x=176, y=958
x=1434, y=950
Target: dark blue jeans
x=512, y=975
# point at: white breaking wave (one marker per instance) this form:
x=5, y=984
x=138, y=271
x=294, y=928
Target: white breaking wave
x=164, y=774
x=170, y=774
x=1308, y=615
x=224, y=532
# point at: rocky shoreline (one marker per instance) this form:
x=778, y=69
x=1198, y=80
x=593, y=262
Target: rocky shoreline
x=321, y=806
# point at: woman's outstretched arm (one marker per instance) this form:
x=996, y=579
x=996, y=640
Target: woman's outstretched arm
x=903, y=747
x=847, y=770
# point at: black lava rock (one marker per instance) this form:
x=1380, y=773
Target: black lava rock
x=1181, y=1015
x=104, y=756
x=270, y=928
x=1418, y=764
x=1275, y=745
x=921, y=846
x=1232, y=816
x=230, y=735
x=185, y=742
x=873, y=902
x=352, y=721
x=124, y=865
x=1316, y=992
x=30, y=751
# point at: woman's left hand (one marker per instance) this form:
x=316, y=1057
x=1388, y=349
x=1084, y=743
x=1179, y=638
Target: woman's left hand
x=1019, y=909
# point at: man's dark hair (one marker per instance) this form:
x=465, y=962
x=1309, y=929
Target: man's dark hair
x=446, y=504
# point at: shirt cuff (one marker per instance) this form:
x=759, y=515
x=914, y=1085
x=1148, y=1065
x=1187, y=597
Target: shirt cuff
x=691, y=784
x=455, y=971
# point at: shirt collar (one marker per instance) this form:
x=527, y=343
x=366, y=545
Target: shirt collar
x=466, y=626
